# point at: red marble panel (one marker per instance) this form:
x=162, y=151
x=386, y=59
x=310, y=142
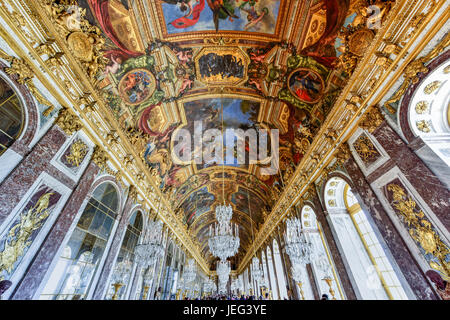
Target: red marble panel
x=430, y=188
x=19, y=181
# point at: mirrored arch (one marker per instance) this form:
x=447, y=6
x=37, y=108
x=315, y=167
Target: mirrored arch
x=74, y=274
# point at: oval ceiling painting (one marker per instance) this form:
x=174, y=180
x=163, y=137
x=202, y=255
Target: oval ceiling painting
x=137, y=86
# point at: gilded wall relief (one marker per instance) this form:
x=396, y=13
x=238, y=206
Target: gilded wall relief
x=74, y=154
x=420, y=228
x=365, y=149
x=18, y=238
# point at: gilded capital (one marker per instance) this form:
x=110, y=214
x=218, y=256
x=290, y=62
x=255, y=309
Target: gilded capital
x=99, y=157
x=68, y=122
x=372, y=119
x=343, y=153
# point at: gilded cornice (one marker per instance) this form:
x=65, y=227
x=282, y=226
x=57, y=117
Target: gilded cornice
x=371, y=80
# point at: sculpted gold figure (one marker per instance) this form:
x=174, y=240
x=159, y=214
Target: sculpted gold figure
x=420, y=229
x=17, y=240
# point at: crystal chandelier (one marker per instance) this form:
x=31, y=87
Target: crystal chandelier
x=224, y=236
x=256, y=270
x=209, y=286
x=151, y=248
x=190, y=273
x=297, y=273
x=323, y=265
x=223, y=270
x=298, y=248
x=235, y=285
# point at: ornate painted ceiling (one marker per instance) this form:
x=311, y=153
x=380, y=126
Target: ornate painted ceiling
x=172, y=64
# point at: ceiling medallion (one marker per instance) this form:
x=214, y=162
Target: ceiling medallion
x=306, y=85
x=359, y=41
x=137, y=86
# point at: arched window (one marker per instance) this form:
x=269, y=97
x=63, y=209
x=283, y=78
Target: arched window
x=80, y=260
x=11, y=116
x=279, y=270
x=429, y=113
x=273, y=281
x=123, y=267
x=372, y=272
x=265, y=271
x=312, y=228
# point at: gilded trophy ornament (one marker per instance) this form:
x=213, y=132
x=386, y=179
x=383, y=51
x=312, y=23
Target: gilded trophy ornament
x=365, y=149
x=78, y=151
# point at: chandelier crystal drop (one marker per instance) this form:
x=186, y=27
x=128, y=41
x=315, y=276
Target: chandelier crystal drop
x=224, y=236
x=299, y=249
x=151, y=248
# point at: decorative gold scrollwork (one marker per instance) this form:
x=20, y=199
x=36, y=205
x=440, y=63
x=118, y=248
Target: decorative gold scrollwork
x=25, y=76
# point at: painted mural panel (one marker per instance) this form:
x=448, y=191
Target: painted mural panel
x=229, y=15
x=237, y=114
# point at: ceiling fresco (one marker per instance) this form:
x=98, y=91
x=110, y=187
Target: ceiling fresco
x=173, y=64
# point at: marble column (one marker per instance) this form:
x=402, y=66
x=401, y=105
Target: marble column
x=397, y=247
x=334, y=251
x=38, y=268
x=114, y=251
x=20, y=180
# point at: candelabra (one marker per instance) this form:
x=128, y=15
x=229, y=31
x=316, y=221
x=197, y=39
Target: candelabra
x=209, y=286
x=121, y=273
x=223, y=272
x=297, y=275
x=324, y=266
x=224, y=236
x=151, y=248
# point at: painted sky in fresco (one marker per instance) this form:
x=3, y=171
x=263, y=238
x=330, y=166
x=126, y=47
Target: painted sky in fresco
x=206, y=23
